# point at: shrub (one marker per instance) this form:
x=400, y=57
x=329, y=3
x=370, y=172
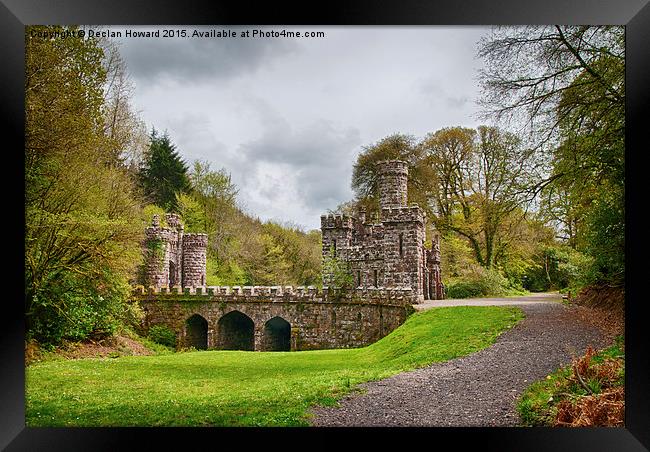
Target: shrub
x=163, y=335
x=480, y=282
x=76, y=308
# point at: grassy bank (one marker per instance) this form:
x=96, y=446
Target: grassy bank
x=234, y=388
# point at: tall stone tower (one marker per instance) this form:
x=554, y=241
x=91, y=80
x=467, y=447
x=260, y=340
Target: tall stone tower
x=388, y=251
x=404, y=232
x=393, y=179
x=171, y=257
x=194, y=259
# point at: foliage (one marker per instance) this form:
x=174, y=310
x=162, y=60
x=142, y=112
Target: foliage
x=479, y=282
x=365, y=180
x=566, y=84
x=163, y=335
x=192, y=213
x=82, y=216
x=589, y=392
x=456, y=258
x=163, y=173
x=559, y=267
x=149, y=211
x=477, y=193
x=338, y=272
x=77, y=308
x=235, y=388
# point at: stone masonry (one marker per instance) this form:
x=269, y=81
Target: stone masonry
x=390, y=252
x=172, y=257
x=393, y=271
x=252, y=318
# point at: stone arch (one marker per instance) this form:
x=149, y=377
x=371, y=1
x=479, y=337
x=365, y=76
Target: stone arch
x=196, y=332
x=235, y=331
x=277, y=335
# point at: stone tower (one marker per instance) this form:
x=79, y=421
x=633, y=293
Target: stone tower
x=388, y=252
x=393, y=179
x=404, y=232
x=173, y=258
x=194, y=259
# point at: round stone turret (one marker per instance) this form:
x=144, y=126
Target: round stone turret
x=194, y=259
x=393, y=178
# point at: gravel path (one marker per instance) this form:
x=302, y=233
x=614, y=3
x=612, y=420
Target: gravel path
x=480, y=389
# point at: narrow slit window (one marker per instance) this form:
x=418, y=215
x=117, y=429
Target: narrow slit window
x=376, y=278
x=401, y=245
x=358, y=277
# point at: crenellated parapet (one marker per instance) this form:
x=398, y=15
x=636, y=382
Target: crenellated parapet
x=389, y=250
x=277, y=294
x=336, y=221
x=403, y=214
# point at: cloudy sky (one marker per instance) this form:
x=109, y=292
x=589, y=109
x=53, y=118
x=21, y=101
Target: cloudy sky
x=287, y=117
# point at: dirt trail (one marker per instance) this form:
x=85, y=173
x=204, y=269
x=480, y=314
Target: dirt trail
x=480, y=389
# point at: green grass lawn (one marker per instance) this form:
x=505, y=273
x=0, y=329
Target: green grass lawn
x=236, y=388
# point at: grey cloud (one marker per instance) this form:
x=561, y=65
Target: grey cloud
x=193, y=136
x=434, y=92
x=197, y=59
x=318, y=157
x=456, y=102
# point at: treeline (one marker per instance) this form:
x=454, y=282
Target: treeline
x=94, y=177
x=242, y=250
x=536, y=203
x=473, y=186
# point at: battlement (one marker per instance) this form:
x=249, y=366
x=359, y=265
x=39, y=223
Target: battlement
x=399, y=167
x=401, y=214
x=160, y=233
x=279, y=294
x=195, y=239
x=174, y=221
x=333, y=221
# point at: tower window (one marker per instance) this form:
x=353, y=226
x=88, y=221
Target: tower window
x=401, y=245
x=358, y=277
x=376, y=278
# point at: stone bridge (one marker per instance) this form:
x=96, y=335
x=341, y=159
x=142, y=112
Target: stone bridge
x=275, y=318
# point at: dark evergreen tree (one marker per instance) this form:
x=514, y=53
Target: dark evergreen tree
x=163, y=173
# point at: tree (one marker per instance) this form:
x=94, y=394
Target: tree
x=528, y=69
x=215, y=194
x=164, y=173
x=81, y=212
x=126, y=133
x=566, y=87
x=394, y=147
x=477, y=180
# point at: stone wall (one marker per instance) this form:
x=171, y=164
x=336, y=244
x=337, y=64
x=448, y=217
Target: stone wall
x=388, y=252
x=194, y=259
x=393, y=179
x=317, y=319
x=171, y=257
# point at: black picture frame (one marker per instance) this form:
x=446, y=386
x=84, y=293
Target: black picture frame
x=634, y=14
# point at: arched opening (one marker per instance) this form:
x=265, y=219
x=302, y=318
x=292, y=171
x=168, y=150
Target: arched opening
x=172, y=274
x=235, y=332
x=277, y=335
x=196, y=332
